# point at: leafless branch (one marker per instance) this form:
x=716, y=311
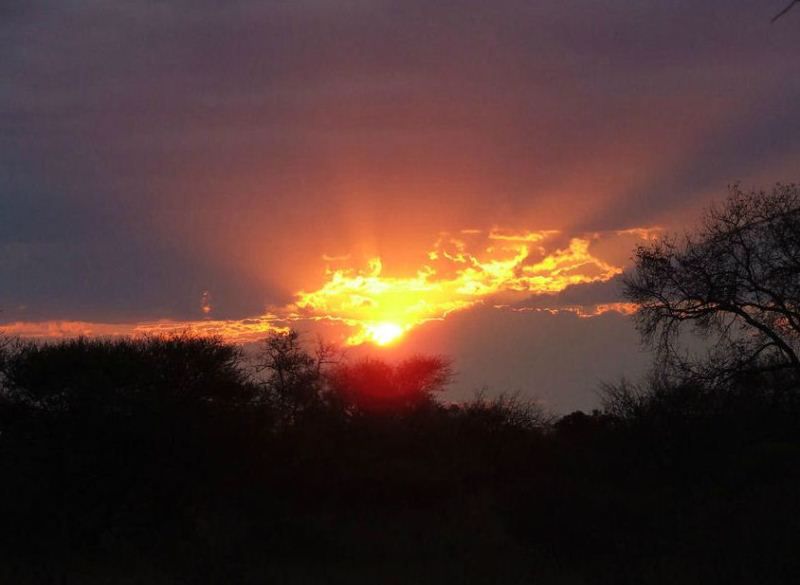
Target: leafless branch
x=735, y=283
x=785, y=10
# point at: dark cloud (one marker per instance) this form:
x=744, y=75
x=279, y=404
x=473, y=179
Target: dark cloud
x=579, y=295
x=560, y=359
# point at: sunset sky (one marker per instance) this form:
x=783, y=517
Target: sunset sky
x=458, y=177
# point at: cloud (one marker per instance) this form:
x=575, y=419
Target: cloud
x=512, y=270
x=240, y=330
x=586, y=294
x=462, y=270
x=557, y=358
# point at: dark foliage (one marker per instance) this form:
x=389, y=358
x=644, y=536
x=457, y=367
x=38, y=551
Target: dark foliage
x=162, y=461
x=373, y=386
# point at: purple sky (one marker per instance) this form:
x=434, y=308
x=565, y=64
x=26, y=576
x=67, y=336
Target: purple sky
x=154, y=150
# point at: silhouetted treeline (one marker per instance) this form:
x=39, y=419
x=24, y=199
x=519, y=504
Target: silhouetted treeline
x=177, y=460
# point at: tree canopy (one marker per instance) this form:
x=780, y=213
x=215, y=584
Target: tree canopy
x=735, y=281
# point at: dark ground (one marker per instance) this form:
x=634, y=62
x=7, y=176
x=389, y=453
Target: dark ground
x=166, y=462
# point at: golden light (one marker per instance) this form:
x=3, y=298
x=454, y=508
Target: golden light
x=472, y=267
x=462, y=272
x=383, y=333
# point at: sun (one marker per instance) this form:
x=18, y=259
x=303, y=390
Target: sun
x=384, y=333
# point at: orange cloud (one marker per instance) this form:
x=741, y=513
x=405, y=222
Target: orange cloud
x=643, y=233
x=582, y=311
x=235, y=330
x=459, y=271
x=462, y=271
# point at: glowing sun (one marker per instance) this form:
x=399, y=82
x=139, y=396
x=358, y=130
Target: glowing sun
x=383, y=333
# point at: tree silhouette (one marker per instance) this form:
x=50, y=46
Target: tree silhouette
x=295, y=380
x=372, y=385
x=97, y=377
x=736, y=282
x=164, y=460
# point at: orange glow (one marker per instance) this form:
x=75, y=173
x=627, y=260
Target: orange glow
x=462, y=271
x=582, y=311
x=242, y=330
x=383, y=333
x=499, y=267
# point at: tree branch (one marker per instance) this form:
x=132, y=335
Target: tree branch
x=784, y=11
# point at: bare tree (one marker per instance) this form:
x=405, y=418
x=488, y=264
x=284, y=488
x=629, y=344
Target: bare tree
x=736, y=282
x=295, y=378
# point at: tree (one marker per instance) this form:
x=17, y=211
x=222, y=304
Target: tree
x=372, y=385
x=736, y=282
x=96, y=376
x=295, y=379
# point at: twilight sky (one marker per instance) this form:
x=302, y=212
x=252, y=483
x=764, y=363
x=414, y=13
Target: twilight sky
x=201, y=163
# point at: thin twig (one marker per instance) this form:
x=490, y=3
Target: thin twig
x=785, y=10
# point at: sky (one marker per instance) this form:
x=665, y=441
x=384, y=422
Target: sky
x=465, y=177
